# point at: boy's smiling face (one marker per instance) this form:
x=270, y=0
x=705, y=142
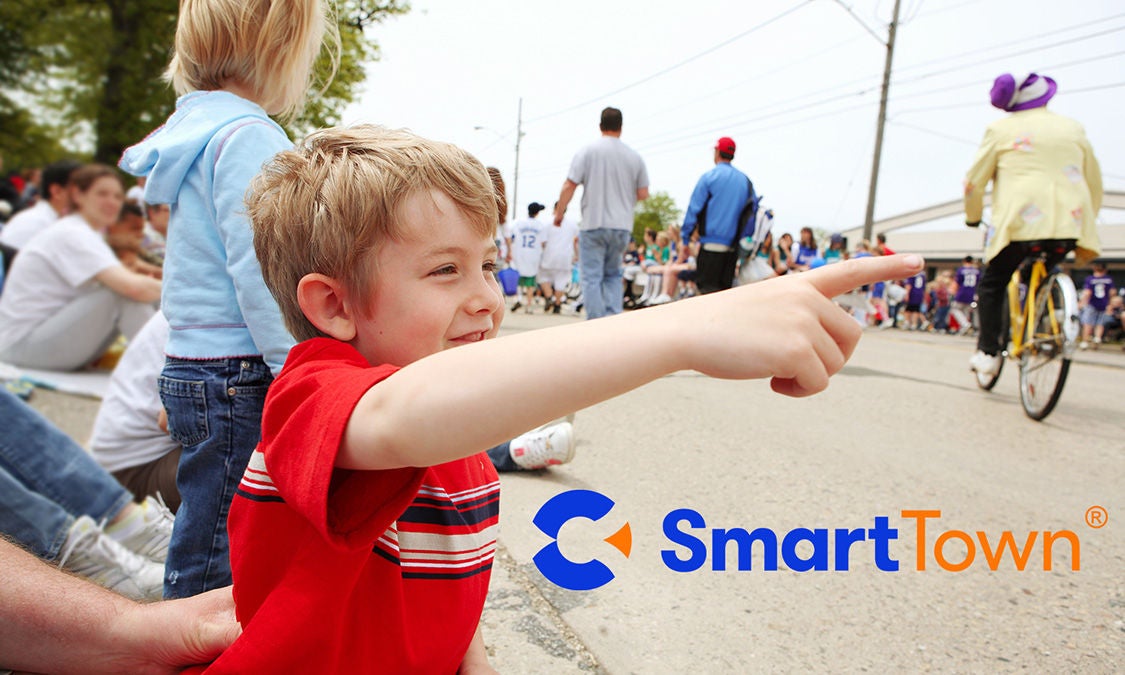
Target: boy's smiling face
x=434, y=286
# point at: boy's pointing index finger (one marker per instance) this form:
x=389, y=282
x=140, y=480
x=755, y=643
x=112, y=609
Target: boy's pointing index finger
x=833, y=280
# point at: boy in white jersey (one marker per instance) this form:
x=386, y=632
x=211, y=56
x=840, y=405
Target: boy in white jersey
x=529, y=236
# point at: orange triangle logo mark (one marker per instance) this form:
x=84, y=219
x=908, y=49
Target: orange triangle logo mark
x=622, y=540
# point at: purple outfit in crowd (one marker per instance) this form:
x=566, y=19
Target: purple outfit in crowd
x=967, y=278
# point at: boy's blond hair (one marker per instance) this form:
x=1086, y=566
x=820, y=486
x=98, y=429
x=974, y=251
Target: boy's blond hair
x=326, y=206
x=268, y=46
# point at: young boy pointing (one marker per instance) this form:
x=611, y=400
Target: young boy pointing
x=363, y=533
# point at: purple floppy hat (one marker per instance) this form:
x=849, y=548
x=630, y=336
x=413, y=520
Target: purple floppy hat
x=1034, y=91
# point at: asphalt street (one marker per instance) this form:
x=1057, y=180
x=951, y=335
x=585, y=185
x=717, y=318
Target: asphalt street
x=902, y=428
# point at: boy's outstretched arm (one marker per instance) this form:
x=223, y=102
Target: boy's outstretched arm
x=456, y=402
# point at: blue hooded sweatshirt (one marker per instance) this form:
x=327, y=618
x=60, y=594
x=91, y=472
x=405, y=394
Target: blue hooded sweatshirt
x=201, y=162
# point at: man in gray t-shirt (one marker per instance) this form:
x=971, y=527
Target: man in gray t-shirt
x=614, y=179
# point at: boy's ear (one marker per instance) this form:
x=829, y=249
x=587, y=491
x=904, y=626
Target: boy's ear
x=323, y=301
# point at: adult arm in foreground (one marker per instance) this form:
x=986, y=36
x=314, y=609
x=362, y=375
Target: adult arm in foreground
x=52, y=622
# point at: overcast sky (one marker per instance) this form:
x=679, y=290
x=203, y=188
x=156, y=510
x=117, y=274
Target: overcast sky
x=794, y=82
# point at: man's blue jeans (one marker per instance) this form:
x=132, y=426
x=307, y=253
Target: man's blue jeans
x=600, y=260
x=215, y=411
x=47, y=480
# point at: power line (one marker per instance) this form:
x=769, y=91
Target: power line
x=1051, y=33
x=675, y=66
x=677, y=136
x=1021, y=52
x=932, y=132
x=978, y=82
x=940, y=10
x=742, y=83
x=719, y=122
x=863, y=92
x=952, y=106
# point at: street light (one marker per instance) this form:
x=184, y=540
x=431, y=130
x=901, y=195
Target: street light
x=516, y=173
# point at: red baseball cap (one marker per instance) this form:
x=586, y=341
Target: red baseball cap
x=725, y=144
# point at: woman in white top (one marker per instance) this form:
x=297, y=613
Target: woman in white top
x=67, y=296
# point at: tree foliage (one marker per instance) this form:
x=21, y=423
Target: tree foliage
x=92, y=68
x=24, y=140
x=658, y=212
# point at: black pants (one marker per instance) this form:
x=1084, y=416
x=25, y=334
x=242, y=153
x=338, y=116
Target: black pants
x=994, y=286
x=714, y=270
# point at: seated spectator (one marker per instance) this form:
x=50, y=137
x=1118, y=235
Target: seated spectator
x=668, y=275
x=657, y=257
x=784, y=253
x=54, y=203
x=130, y=438
x=136, y=193
x=9, y=190
x=836, y=249
x=54, y=499
x=156, y=233
x=631, y=267
x=52, y=314
x=125, y=237
x=805, y=252
x=30, y=195
x=648, y=249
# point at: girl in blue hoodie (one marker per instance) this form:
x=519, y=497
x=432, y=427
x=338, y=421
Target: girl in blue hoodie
x=234, y=65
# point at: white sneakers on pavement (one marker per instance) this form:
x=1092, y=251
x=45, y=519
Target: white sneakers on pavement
x=91, y=553
x=546, y=446
x=985, y=364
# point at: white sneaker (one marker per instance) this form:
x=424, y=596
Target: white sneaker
x=660, y=299
x=147, y=530
x=547, y=446
x=90, y=553
x=985, y=364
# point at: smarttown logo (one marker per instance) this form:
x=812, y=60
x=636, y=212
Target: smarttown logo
x=552, y=563
x=801, y=549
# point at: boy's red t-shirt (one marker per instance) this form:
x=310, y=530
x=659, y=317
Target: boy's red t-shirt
x=339, y=571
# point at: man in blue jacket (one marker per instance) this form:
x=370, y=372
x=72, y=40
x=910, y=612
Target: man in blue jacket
x=716, y=204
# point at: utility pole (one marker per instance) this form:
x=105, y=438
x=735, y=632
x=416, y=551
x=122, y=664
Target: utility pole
x=516, y=174
x=869, y=219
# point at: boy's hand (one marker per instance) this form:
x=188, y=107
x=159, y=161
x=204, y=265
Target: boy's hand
x=786, y=328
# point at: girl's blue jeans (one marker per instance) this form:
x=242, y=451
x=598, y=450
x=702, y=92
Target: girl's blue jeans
x=215, y=411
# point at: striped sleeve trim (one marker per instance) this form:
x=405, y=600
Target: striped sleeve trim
x=256, y=483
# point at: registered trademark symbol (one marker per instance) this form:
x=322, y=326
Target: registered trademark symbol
x=1096, y=517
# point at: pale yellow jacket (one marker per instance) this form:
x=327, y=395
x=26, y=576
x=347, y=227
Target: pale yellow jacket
x=1046, y=182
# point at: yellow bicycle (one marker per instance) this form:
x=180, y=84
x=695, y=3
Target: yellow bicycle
x=1042, y=324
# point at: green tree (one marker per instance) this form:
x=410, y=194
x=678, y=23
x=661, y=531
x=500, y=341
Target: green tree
x=97, y=65
x=24, y=141
x=357, y=48
x=658, y=212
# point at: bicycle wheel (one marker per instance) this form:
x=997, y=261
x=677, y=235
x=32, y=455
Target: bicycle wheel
x=1045, y=361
